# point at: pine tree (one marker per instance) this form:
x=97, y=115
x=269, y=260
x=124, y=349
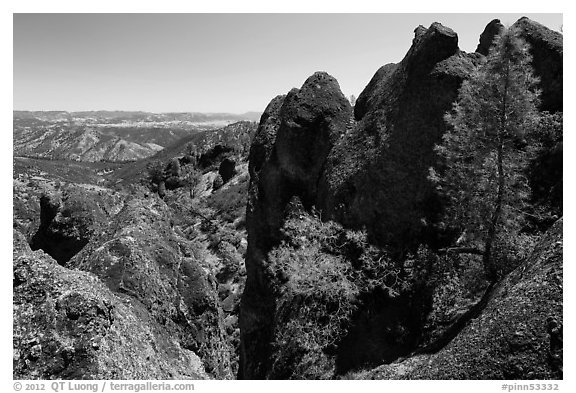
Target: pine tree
x=485, y=152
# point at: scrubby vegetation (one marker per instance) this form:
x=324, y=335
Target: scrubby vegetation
x=327, y=275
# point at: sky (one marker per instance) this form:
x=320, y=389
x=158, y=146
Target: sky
x=210, y=62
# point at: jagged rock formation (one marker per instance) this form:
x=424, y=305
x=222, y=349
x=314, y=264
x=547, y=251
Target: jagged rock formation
x=376, y=175
x=338, y=202
x=291, y=144
x=68, y=325
x=370, y=173
x=487, y=37
x=142, y=260
x=517, y=336
x=370, y=168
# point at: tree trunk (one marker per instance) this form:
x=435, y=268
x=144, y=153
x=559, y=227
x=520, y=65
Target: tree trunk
x=489, y=263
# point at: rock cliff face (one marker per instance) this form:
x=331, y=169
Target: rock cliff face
x=141, y=301
x=295, y=135
x=376, y=175
x=376, y=168
x=367, y=173
x=68, y=325
x=142, y=260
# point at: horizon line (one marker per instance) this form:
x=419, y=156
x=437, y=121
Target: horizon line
x=135, y=110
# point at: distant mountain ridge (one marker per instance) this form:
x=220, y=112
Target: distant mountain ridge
x=78, y=144
x=108, y=135
x=136, y=115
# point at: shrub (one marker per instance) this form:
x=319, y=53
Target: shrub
x=230, y=203
x=174, y=167
x=320, y=271
x=155, y=171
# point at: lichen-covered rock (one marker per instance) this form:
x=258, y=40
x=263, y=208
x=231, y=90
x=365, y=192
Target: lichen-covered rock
x=141, y=258
x=517, y=336
x=69, y=325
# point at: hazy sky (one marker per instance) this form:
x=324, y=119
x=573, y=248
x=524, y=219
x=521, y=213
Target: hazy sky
x=210, y=62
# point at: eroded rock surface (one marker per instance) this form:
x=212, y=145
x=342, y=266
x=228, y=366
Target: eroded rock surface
x=69, y=325
x=369, y=174
x=377, y=175
x=140, y=257
x=295, y=135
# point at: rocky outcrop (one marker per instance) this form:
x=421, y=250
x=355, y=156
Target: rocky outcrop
x=517, y=336
x=307, y=146
x=487, y=37
x=370, y=95
x=546, y=47
x=142, y=260
x=370, y=175
x=68, y=325
x=377, y=175
x=295, y=135
x=69, y=218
